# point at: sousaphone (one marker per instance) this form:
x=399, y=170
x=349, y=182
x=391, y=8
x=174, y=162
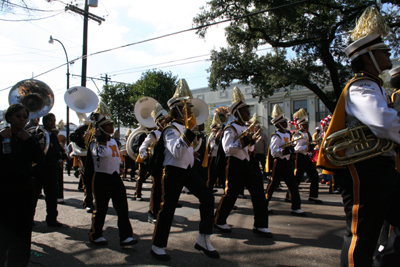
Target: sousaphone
x=142, y=110
x=82, y=100
x=201, y=112
x=38, y=98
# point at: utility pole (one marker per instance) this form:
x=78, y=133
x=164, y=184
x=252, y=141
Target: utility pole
x=86, y=17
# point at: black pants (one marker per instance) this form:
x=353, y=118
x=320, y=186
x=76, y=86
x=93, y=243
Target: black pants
x=88, y=184
x=46, y=178
x=17, y=210
x=60, y=183
x=173, y=180
x=156, y=193
x=211, y=173
x=261, y=158
x=106, y=187
x=240, y=174
x=370, y=191
x=143, y=175
x=283, y=170
x=305, y=165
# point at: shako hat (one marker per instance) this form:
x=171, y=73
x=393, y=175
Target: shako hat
x=216, y=122
x=182, y=91
x=367, y=35
x=103, y=114
x=237, y=101
x=158, y=113
x=301, y=116
x=277, y=115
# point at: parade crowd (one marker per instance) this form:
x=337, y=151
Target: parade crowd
x=179, y=157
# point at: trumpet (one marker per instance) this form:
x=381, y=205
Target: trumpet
x=292, y=142
x=247, y=130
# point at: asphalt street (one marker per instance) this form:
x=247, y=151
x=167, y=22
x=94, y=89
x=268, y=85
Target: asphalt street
x=314, y=240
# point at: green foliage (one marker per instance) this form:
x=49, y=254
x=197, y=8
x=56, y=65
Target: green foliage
x=316, y=31
x=121, y=98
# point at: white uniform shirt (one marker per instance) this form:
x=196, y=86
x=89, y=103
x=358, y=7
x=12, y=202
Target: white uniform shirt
x=150, y=138
x=109, y=157
x=177, y=152
x=277, y=141
x=368, y=103
x=233, y=148
x=302, y=144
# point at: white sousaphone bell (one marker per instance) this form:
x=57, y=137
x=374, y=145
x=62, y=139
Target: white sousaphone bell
x=82, y=100
x=142, y=110
x=200, y=110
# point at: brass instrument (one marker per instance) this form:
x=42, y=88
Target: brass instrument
x=315, y=141
x=142, y=110
x=359, y=137
x=291, y=143
x=185, y=99
x=38, y=98
x=237, y=137
x=82, y=100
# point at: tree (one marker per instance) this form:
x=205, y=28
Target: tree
x=121, y=98
x=317, y=31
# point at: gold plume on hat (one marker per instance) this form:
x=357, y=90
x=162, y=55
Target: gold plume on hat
x=216, y=120
x=237, y=95
x=128, y=132
x=277, y=111
x=102, y=109
x=254, y=119
x=182, y=90
x=371, y=21
x=300, y=113
x=60, y=125
x=156, y=109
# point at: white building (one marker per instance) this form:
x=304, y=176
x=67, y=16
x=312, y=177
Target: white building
x=301, y=98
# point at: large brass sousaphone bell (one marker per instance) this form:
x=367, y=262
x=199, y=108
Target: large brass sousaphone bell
x=142, y=110
x=38, y=98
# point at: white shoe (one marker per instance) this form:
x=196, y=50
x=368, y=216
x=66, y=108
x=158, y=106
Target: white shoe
x=100, y=241
x=224, y=226
x=158, y=250
x=262, y=231
x=298, y=212
x=204, y=244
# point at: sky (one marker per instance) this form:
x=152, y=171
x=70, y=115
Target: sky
x=25, y=51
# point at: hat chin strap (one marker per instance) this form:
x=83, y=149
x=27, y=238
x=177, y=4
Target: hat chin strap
x=374, y=61
x=240, y=116
x=101, y=129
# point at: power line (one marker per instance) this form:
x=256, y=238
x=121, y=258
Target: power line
x=33, y=9
x=167, y=35
x=19, y=20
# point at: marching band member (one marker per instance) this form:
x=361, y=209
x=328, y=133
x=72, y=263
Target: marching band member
x=370, y=187
x=175, y=146
x=240, y=172
x=212, y=150
x=17, y=190
x=158, y=115
x=78, y=137
x=144, y=171
x=279, y=160
x=104, y=159
x=46, y=173
x=303, y=162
